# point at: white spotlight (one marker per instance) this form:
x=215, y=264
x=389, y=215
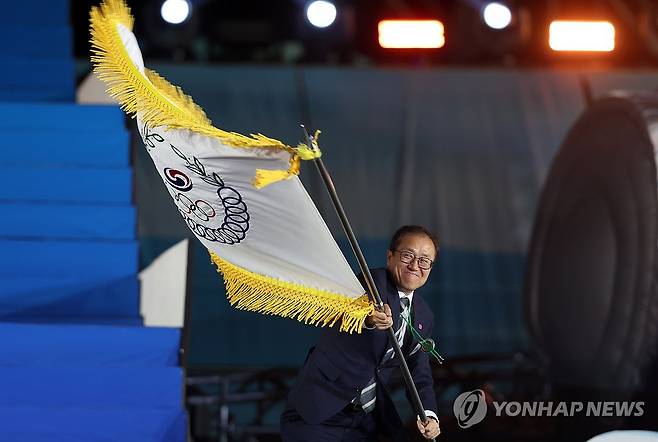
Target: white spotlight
x=175, y=11
x=497, y=15
x=321, y=13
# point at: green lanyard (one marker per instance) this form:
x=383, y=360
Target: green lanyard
x=427, y=345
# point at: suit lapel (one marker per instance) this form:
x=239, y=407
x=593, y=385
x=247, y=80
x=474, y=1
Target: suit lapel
x=417, y=317
x=421, y=320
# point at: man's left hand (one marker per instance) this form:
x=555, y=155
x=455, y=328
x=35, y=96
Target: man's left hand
x=430, y=429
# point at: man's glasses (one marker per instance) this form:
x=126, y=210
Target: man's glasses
x=407, y=257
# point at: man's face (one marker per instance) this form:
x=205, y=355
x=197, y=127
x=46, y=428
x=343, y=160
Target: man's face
x=409, y=277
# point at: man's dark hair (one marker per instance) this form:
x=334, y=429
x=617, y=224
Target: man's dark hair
x=413, y=229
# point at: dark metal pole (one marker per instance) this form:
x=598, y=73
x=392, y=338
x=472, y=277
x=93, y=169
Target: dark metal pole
x=372, y=288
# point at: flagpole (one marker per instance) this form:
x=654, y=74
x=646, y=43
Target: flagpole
x=372, y=288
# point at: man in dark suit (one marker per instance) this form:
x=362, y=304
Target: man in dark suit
x=341, y=393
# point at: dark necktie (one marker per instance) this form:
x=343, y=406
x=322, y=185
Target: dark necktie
x=404, y=313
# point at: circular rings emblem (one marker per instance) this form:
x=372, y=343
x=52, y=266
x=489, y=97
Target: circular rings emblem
x=196, y=212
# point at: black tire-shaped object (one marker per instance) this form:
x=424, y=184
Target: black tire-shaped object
x=591, y=301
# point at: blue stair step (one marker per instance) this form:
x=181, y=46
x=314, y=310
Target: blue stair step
x=81, y=260
x=60, y=117
x=35, y=147
x=26, y=297
x=47, y=79
x=38, y=93
x=87, y=346
x=36, y=12
x=67, y=185
x=98, y=388
x=37, y=40
x=121, y=321
x=67, y=221
x=91, y=425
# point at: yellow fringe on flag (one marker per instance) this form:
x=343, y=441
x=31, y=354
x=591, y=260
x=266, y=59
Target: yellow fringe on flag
x=157, y=101
x=250, y=291
x=266, y=177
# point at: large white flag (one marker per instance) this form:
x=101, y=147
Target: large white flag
x=239, y=195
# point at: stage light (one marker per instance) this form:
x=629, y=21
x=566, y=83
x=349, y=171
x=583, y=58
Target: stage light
x=409, y=34
x=597, y=36
x=175, y=11
x=321, y=13
x=497, y=15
